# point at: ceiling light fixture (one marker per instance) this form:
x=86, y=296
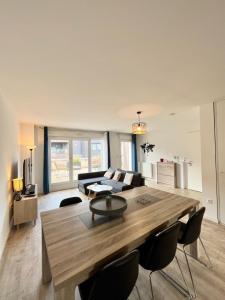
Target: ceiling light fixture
x=139, y=127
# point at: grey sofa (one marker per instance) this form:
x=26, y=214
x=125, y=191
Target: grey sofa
x=86, y=179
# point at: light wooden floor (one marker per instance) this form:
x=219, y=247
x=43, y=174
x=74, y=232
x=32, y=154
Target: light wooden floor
x=20, y=276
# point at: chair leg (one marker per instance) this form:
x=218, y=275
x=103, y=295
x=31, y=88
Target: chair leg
x=182, y=274
x=209, y=260
x=151, y=287
x=189, y=269
x=138, y=292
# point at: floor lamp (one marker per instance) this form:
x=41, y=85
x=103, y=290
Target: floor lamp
x=31, y=148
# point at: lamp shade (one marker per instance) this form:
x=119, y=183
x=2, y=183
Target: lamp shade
x=18, y=184
x=139, y=128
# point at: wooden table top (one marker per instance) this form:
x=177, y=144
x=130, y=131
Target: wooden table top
x=75, y=252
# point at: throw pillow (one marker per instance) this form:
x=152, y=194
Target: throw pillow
x=128, y=178
x=117, y=175
x=108, y=174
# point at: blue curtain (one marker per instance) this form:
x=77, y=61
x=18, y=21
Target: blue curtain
x=134, y=153
x=108, y=147
x=46, y=171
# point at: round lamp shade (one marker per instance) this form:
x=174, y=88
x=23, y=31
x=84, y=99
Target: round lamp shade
x=139, y=128
x=18, y=184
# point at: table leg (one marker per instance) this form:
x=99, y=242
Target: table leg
x=93, y=216
x=66, y=293
x=194, y=246
x=89, y=194
x=46, y=272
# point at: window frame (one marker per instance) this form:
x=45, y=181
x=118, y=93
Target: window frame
x=72, y=183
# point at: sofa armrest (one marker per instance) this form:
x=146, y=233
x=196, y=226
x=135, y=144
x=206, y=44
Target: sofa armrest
x=127, y=187
x=91, y=175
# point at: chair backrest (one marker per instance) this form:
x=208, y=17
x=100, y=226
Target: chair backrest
x=117, y=279
x=69, y=201
x=193, y=228
x=160, y=249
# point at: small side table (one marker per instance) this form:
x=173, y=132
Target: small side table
x=25, y=210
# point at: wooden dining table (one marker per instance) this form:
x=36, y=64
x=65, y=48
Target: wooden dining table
x=74, y=248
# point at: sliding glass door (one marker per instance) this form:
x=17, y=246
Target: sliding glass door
x=59, y=152
x=70, y=157
x=98, y=158
x=80, y=157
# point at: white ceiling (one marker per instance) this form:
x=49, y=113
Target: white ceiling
x=93, y=64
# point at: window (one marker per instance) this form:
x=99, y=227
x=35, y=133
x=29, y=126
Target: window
x=70, y=157
x=80, y=157
x=126, y=155
x=59, y=161
x=97, y=155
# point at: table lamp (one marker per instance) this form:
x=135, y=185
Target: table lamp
x=17, y=188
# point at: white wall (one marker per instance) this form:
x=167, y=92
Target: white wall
x=220, y=151
x=115, y=150
x=9, y=153
x=208, y=161
x=177, y=136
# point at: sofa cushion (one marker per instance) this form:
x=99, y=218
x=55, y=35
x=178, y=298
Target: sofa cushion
x=128, y=178
x=123, y=173
x=136, y=181
x=109, y=173
x=86, y=182
x=117, y=175
x=116, y=185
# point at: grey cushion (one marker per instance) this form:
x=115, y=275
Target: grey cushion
x=116, y=185
x=86, y=182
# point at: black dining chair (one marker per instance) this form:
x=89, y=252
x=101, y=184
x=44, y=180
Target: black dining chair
x=189, y=233
x=70, y=201
x=159, y=251
x=114, y=282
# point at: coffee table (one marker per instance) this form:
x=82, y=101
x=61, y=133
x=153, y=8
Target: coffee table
x=97, y=188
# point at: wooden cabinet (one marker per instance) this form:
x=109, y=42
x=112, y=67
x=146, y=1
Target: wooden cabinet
x=25, y=210
x=166, y=173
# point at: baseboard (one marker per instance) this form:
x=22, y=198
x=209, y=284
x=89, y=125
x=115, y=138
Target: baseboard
x=3, y=254
x=215, y=220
